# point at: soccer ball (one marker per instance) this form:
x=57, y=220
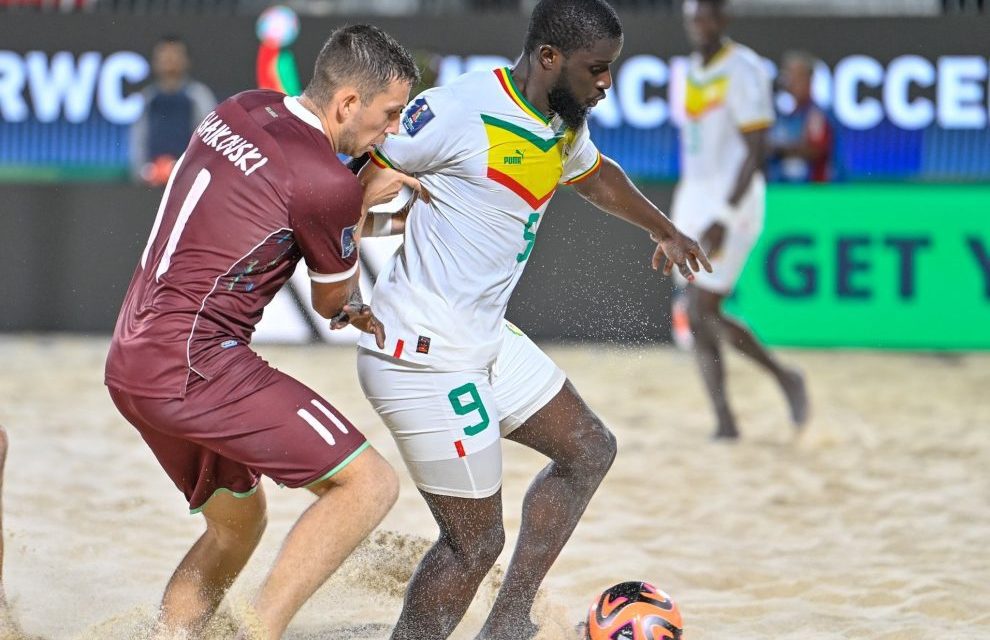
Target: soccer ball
x=277, y=26
x=634, y=611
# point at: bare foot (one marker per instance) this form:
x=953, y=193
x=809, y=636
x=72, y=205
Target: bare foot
x=725, y=433
x=797, y=396
x=726, y=428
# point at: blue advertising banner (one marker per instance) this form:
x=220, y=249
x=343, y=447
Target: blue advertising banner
x=910, y=106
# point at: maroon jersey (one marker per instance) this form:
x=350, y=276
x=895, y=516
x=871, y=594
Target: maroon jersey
x=258, y=188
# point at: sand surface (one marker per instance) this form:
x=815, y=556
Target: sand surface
x=875, y=523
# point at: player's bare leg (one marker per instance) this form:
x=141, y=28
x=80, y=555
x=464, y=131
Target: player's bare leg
x=704, y=311
x=351, y=503
x=444, y=583
x=581, y=451
x=707, y=318
x=233, y=530
x=791, y=380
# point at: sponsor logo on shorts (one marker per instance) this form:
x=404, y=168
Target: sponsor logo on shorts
x=347, y=244
x=226, y=344
x=423, y=345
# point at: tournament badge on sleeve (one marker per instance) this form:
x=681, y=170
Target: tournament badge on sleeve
x=347, y=243
x=417, y=116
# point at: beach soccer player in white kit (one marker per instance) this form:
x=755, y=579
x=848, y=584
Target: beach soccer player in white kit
x=721, y=198
x=454, y=377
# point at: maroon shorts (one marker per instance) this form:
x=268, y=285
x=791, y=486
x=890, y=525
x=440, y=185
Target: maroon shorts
x=249, y=420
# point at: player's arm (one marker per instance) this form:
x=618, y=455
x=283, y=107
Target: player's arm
x=341, y=304
x=757, y=144
x=326, y=230
x=750, y=104
x=329, y=298
x=384, y=186
x=610, y=190
x=380, y=225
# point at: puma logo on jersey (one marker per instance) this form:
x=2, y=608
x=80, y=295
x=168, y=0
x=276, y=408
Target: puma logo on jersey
x=242, y=153
x=516, y=159
x=509, y=144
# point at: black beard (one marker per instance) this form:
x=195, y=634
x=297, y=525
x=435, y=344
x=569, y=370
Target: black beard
x=564, y=104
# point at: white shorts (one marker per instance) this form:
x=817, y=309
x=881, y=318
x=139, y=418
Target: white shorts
x=448, y=424
x=695, y=207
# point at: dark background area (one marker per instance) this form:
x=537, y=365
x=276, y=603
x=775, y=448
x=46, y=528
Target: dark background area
x=69, y=252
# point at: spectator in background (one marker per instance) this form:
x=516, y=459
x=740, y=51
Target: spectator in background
x=801, y=141
x=174, y=105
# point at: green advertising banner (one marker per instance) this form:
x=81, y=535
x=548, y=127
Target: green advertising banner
x=889, y=266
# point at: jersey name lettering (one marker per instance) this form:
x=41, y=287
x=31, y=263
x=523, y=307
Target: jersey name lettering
x=242, y=153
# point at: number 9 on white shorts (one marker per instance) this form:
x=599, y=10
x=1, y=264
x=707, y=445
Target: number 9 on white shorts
x=448, y=424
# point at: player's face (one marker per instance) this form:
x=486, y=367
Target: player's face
x=583, y=79
x=705, y=23
x=372, y=121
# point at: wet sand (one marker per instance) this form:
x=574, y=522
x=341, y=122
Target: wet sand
x=874, y=523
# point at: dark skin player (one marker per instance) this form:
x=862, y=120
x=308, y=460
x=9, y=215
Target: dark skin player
x=706, y=23
x=580, y=447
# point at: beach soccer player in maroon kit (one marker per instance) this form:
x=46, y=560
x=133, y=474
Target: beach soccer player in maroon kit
x=258, y=188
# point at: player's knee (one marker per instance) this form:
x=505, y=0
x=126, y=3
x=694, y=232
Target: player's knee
x=388, y=486
x=601, y=447
x=375, y=478
x=244, y=528
x=480, y=553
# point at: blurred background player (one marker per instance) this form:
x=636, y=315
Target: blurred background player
x=258, y=188
x=454, y=377
x=720, y=197
x=801, y=138
x=174, y=104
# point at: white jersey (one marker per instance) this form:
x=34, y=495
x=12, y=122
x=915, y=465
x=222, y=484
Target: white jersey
x=729, y=96
x=491, y=162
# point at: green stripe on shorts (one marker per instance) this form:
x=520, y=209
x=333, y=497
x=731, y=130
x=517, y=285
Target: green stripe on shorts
x=340, y=466
x=247, y=494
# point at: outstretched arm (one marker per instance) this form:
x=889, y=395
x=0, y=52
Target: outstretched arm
x=610, y=190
